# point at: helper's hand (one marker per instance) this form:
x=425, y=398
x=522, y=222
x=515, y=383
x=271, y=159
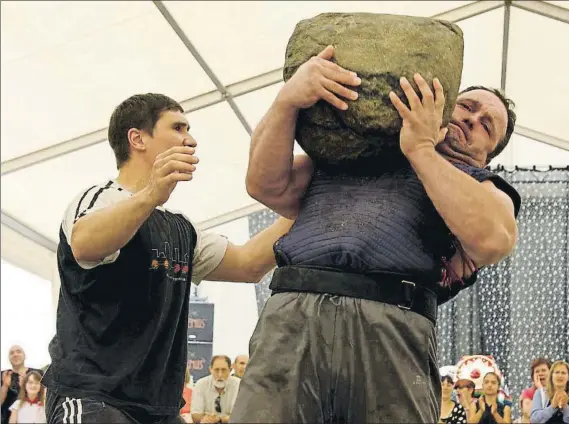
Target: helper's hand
x=175, y=165
x=494, y=408
x=422, y=122
x=319, y=78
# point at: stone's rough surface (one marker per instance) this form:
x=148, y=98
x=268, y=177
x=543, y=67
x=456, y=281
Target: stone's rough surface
x=380, y=49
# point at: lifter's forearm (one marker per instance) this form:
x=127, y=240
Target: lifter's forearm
x=483, y=224
x=271, y=153
x=104, y=232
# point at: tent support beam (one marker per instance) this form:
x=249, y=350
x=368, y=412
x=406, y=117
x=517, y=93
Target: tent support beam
x=189, y=105
x=28, y=232
x=469, y=10
x=505, y=45
x=542, y=137
x=542, y=8
x=192, y=49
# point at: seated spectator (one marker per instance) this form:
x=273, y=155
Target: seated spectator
x=539, y=370
x=214, y=395
x=12, y=380
x=451, y=412
x=525, y=406
x=465, y=391
x=550, y=404
x=239, y=365
x=185, y=411
x=488, y=409
x=29, y=408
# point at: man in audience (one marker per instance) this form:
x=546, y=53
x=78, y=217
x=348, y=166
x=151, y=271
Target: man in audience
x=214, y=395
x=239, y=365
x=11, y=380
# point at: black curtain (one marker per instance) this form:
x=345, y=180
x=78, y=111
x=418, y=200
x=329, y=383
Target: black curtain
x=518, y=309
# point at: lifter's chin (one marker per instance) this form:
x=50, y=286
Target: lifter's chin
x=446, y=150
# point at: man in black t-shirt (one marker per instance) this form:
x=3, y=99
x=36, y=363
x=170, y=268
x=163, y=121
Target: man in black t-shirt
x=126, y=262
x=370, y=257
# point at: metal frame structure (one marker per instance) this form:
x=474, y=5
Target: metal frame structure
x=230, y=92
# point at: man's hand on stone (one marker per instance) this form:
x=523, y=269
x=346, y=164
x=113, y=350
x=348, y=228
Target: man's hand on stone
x=320, y=79
x=422, y=121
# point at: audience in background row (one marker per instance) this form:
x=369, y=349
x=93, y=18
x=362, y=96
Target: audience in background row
x=525, y=406
x=185, y=412
x=13, y=380
x=29, y=408
x=451, y=412
x=239, y=365
x=550, y=403
x=539, y=370
x=213, y=396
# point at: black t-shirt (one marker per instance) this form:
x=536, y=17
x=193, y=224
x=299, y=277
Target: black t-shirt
x=122, y=322
x=12, y=394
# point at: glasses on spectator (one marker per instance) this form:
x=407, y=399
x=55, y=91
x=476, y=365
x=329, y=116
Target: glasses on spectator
x=218, y=404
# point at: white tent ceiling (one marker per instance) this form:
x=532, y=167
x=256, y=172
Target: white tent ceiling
x=66, y=65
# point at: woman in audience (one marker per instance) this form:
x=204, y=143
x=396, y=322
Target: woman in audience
x=29, y=408
x=525, y=406
x=465, y=391
x=451, y=412
x=185, y=412
x=550, y=403
x=488, y=409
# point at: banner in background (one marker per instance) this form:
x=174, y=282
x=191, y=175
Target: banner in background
x=199, y=357
x=200, y=322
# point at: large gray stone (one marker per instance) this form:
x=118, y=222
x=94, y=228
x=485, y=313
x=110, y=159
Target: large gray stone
x=380, y=49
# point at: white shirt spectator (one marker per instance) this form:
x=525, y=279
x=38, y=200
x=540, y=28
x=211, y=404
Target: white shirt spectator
x=204, y=395
x=29, y=413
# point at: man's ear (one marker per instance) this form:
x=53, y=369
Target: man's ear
x=136, y=139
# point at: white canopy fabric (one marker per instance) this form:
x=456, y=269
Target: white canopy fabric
x=66, y=65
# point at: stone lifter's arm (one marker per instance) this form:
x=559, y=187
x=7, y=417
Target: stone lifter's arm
x=275, y=177
x=480, y=215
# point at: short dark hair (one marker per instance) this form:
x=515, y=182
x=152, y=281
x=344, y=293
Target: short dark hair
x=510, y=105
x=447, y=378
x=538, y=362
x=140, y=111
x=226, y=358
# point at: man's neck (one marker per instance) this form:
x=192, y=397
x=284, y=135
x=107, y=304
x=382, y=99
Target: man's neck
x=490, y=399
x=21, y=370
x=133, y=176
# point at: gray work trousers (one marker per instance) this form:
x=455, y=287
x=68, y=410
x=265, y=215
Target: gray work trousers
x=320, y=358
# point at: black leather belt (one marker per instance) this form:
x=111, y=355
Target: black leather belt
x=390, y=288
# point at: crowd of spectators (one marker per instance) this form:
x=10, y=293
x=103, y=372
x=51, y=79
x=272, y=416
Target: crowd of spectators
x=545, y=401
x=210, y=400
